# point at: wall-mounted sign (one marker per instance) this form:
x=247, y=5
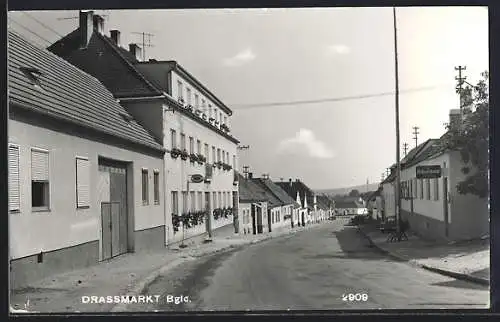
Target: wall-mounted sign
x=428, y=171
x=197, y=178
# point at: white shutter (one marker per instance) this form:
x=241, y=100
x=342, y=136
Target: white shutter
x=14, y=191
x=39, y=165
x=82, y=182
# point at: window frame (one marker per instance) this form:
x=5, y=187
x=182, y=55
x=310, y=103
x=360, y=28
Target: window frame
x=18, y=183
x=436, y=189
x=156, y=186
x=45, y=182
x=145, y=186
x=174, y=195
x=183, y=141
x=173, y=138
x=76, y=183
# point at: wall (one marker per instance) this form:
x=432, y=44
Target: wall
x=389, y=200
x=64, y=226
x=178, y=171
x=175, y=94
x=469, y=213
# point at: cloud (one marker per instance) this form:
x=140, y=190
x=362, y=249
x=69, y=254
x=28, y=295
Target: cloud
x=306, y=139
x=241, y=58
x=339, y=49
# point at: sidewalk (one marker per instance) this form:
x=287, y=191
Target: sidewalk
x=128, y=274
x=464, y=260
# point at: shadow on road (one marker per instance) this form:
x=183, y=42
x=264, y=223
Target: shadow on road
x=462, y=284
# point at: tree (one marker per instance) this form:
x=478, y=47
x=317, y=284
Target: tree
x=472, y=140
x=354, y=193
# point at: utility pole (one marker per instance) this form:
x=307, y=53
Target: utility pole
x=240, y=148
x=398, y=146
x=415, y=134
x=144, y=44
x=405, y=148
x=460, y=79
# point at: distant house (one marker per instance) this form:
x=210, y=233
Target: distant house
x=372, y=201
x=350, y=207
x=304, y=196
x=253, y=204
x=325, y=206
x=86, y=180
x=288, y=205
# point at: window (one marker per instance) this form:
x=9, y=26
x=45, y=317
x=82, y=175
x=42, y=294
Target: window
x=173, y=139
x=234, y=161
x=191, y=144
x=200, y=200
x=183, y=141
x=223, y=157
x=225, y=120
x=436, y=189
x=203, y=103
x=206, y=152
x=220, y=117
x=175, y=202
x=145, y=190
x=196, y=101
x=415, y=188
x=188, y=95
x=214, y=206
x=210, y=110
x=220, y=200
x=198, y=145
x=193, y=201
x=156, y=186
x=428, y=188
x=213, y=154
x=14, y=186
x=227, y=157
x=184, y=202
x=82, y=182
x=218, y=155
x=215, y=113
x=421, y=184
x=180, y=91
x=40, y=179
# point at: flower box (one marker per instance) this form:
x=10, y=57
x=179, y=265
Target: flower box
x=204, y=116
x=201, y=158
x=193, y=157
x=184, y=155
x=224, y=127
x=181, y=100
x=174, y=153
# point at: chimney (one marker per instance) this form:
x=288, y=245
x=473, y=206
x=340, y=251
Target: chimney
x=115, y=36
x=85, y=27
x=250, y=175
x=99, y=24
x=455, y=119
x=135, y=50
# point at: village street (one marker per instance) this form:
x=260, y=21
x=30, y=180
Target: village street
x=309, y=270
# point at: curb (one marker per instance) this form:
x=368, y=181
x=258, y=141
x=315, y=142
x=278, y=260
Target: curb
x=414, y=263
x=144, y=283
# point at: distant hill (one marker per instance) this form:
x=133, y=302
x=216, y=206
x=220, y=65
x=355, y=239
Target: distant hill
x=345, y=191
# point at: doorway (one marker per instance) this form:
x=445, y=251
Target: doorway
x=114, y=209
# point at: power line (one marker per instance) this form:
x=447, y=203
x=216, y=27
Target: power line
x=29, y=30
x=41, y=23
x=336, y=99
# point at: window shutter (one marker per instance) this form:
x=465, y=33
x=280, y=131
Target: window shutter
x=14, y=191
x=39, y=165
x=82, y=182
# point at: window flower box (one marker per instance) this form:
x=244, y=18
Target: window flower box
x=204, y=116
x=190, y=108
x=224, y=127
x=175, y=152
x=219, y=165
x=181, y=100
x=211, y=119
x=176, y=221
x=184, y=155
x=193, y=157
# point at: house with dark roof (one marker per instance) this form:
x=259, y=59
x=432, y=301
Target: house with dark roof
x=325, y=206
x=192, y=123
x=303, y=196
x=85, y=178
x=253, y=207
x=284, y=215
x=433, y=206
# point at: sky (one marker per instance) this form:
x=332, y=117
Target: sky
x=253, y=58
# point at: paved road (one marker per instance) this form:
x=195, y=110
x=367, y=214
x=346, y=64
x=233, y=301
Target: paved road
x=310, y=270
